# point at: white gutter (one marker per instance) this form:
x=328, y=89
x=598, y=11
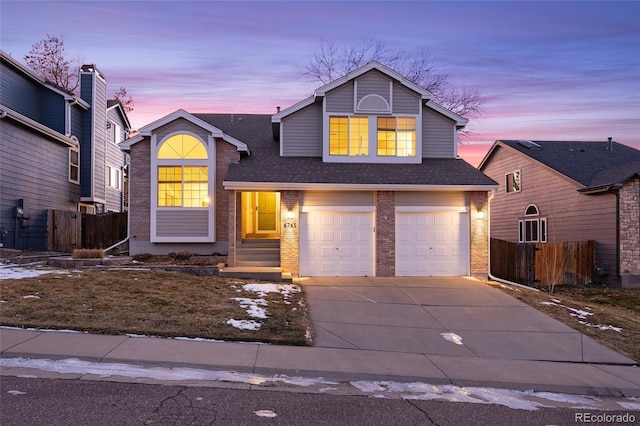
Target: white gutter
x=301, y=186
x=66, y=140
x=500, y=280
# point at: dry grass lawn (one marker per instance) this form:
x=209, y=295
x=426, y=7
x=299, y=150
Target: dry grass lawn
x=607, y=307
x=150, y=303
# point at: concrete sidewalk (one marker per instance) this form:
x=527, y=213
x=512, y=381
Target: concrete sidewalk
x=384, y=329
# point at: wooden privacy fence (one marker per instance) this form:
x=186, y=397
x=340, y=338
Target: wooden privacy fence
x=103, y=230
x=69, y=230
x=542, y=265
x=64, y=228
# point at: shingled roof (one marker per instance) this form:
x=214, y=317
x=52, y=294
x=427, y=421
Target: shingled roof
x=265, y=165
x=592, y=164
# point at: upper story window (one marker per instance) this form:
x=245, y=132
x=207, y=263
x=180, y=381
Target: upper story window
x=396, y=136
x=74, y=165
x=349, y=136
x=183, y=176
x=372, y=136
x=113, y=178
x=512, y=183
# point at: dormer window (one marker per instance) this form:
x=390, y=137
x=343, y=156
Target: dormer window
x=349, y=136
x=397, y=136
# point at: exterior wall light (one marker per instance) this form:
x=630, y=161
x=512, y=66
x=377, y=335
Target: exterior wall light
x=480, y=214
x=289, y=215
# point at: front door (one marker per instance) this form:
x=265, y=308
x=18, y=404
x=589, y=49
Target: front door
x=267, y=212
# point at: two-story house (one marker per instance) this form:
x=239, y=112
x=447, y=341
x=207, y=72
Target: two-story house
x=57, y=151
x=362, y=178
x=556, y=191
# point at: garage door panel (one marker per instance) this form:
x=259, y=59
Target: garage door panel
x=346, y=243
x=432, y=243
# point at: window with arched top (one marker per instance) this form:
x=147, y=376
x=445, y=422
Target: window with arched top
x=182, y=146
x=183, y=175
x=532, y=229
x=531, y=210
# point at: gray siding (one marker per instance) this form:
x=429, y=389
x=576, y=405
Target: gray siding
x=437, y=135
x=20, y=94
x=116, y=158
x=373, y=83
x=35, y=170
x=405, y=101
x=182, y=223
x=571, y=216
x=302, y=133
x=338, y=198
x=340, y=99
x=181, y=125
x=452, y=199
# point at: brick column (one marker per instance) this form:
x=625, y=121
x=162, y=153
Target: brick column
x=479, y=228
x=385, y=234
x=290, y=232
x=140, y=192
x=630, y=229
x=234, y=225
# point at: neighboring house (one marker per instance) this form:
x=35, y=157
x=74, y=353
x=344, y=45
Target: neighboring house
x=57, y=151
x=570, y=191
x=361, y=179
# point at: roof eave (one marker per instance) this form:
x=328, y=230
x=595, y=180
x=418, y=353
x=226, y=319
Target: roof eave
x=302, y=186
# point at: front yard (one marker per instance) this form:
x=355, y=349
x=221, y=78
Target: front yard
x=156, y=303
x=610, y=316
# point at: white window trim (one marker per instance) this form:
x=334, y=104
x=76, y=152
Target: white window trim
x=373, y=156
x=117, y=173
x=506, y=191
x=541, y=222
x=210, y=163
x=77, y=151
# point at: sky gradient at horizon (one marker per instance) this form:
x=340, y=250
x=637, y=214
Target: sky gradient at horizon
x=546, y=70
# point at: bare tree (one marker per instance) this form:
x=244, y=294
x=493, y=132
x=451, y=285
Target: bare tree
x=48, y=59
x=125, y=99
x=332, y=61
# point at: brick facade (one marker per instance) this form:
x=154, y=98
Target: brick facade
x=140, y=190
x=290, y=232
x=479, y=229
x=630, y=230
x=225, y=155
x=385, y=233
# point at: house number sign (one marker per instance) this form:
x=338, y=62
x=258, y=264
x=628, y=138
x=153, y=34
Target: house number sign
x=290, y=225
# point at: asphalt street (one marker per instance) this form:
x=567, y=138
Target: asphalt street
x=37, y=401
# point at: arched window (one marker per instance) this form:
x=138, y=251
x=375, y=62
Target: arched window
x=183, y=179
x=532, y=229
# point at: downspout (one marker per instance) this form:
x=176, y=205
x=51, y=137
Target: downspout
x=500, y=280
x=128, y=232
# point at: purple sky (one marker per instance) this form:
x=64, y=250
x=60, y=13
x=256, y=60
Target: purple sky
x=547, y=70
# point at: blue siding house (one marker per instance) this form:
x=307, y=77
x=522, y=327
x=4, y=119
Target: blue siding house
x=58, y=151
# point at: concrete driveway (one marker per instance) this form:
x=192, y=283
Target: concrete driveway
x=452, y=316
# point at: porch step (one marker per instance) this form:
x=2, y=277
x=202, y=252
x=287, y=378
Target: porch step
x=256, y=273
x=260, y=242
x=258, y=253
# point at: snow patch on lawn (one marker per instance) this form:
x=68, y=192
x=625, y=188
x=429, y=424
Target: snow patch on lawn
x=582, y=316
x=29, y=270
x=257, y=308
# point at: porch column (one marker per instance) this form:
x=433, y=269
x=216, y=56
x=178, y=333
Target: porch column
x=479, y=230
x=385, y=234
x=234, y=226
x=290, y=232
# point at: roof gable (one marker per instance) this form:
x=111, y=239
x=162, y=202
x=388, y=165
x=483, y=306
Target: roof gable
x=147, y=130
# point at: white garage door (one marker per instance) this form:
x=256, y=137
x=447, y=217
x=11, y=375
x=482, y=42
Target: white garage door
x=434, y=243
x=336, y=244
